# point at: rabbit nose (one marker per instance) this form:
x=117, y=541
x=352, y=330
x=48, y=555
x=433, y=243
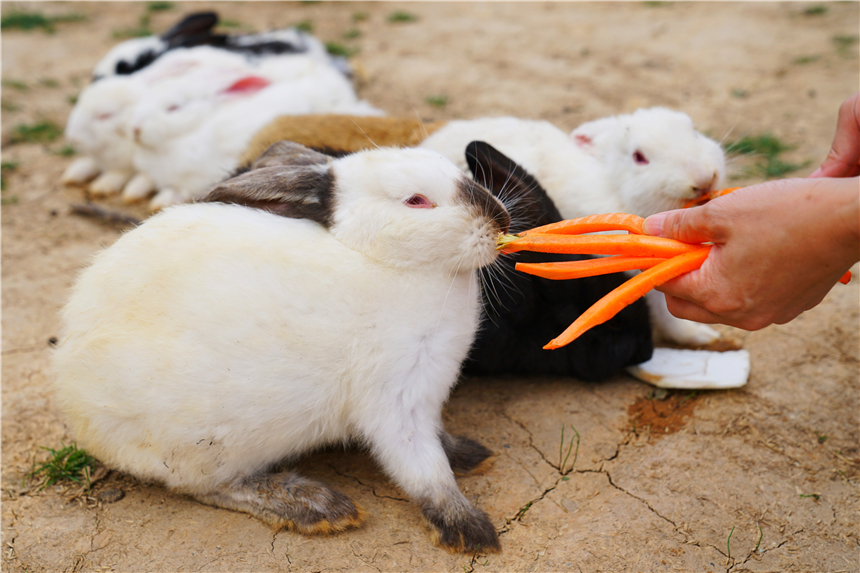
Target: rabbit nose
x=137, y=134
x=702, y=186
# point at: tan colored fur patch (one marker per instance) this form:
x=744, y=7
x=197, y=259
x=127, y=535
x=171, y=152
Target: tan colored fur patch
x=340, y=133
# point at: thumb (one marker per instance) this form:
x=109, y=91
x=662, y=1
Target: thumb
x=843, y=160
x=688, y=225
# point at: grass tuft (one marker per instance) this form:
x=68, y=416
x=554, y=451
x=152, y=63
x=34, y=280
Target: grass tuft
x=337, y=49
x=67, y=464
x=766, y=150
x=401, y=17
x=570, y=448
x=27, y=21
x=815, y=10
x=43, y=131
x=437, y=100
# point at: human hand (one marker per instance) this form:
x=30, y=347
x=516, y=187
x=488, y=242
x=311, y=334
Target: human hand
x=779, y=247
x=844, y=157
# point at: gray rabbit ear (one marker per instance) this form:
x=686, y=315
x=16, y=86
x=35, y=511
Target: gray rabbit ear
x=289, y=153
x=290, y=181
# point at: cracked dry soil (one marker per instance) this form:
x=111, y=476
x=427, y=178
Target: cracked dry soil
x=764, y=478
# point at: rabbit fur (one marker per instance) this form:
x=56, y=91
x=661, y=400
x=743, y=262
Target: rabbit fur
x=185, y=145
x=523, y=312
x=645, y=162
x=298, y=305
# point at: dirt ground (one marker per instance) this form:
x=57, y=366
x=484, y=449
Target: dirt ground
x=764, y=478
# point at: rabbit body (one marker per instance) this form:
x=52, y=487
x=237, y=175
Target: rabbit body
x=642, y=163
x=215, y=340
x=184, y=166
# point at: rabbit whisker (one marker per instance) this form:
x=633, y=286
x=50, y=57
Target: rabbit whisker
x=365, y=134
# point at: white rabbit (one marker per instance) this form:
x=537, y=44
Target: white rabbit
x=216, y=340
x=98, y=128
x=645, y=162
x=176, y=107
x=184, y=158
x=99, y=124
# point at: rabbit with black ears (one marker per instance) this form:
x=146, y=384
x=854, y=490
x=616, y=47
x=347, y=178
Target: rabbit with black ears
x=305, y=302
x=642, y=163
x=523, y=312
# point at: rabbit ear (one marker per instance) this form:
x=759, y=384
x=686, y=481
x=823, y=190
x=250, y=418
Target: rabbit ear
x=512, y=184
x=192, y=25
x=289, y=153
x=289, y=180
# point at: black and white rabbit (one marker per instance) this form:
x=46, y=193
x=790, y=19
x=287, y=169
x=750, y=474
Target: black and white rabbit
x=307, y=301
x=644, y=162
x=524, y=312
x=197, y=29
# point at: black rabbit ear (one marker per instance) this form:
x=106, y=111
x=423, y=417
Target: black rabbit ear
x=514, y=186
x=288, y=180
x=192, y=25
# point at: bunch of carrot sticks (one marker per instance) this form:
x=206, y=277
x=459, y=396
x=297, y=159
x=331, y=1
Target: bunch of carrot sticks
x=659, y=258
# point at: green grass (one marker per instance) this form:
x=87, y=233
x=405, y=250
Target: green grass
x=843, y=43
x=5, y=167
x=27, y=21
x=729, y=542
x=49, y=83
x=570, y=448
x=740, y=93
x=437, y=100
x=401, y=17
x=360, y=16
x=67, y=464
x=305, y=26
x=9, y=106
x=337, y=49
x=815, y=10
x=801, y=60
x=765, y=149
x=15, y=84
x=352, y=34
x=66, y=151
x=159, y=6
x=41, y=132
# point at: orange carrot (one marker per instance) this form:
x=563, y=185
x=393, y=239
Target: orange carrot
x=708, y=196
x=844, y=280
x=629, y=292
x=631, y=245
x=587, y=268
x=592, y=224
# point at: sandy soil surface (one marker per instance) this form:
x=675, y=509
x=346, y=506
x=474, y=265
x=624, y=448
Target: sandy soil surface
x=764, y=478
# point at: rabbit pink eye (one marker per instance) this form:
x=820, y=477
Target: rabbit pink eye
x=640, y=158
x=419, y=201
x=173, y=108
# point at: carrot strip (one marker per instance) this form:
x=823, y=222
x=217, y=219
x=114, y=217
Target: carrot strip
x=631, y=245
x=592, y=224
x=587, y=268
x=629, y=292
x=844, y=280
x=708, y=196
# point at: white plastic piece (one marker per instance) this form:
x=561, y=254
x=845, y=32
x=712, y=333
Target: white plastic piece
x=694, y=369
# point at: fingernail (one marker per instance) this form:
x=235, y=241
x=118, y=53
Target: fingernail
x=817, y=173
x=653, y=225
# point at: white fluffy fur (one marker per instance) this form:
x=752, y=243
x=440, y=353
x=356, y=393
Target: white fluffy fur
x=133, y=123
x=215, y=340
x=592, y=170
x=187, y=150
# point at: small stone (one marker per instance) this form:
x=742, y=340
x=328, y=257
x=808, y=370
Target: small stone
x=111, y=495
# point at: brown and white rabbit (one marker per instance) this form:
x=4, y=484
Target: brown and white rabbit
x=218, y=339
